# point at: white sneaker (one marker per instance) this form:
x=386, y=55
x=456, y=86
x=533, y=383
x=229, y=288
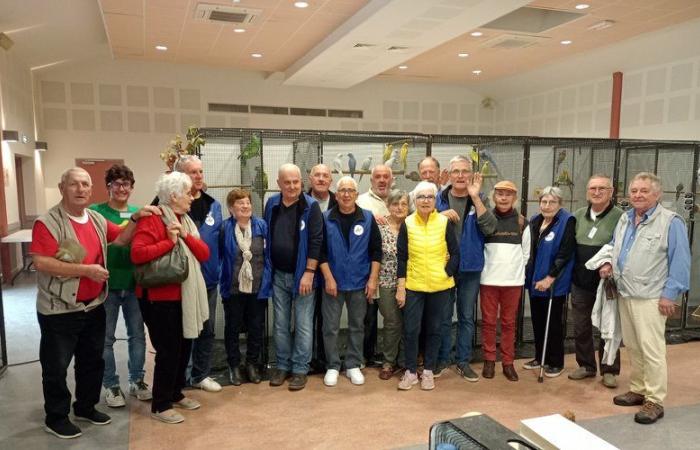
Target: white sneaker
x=168, y=416
x=115, y=397
x=331, y=378
x=140, y=390
x=208, y=385
x=355, y=375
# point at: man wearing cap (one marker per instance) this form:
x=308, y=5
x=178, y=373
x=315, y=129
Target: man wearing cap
x=506, y=252
x=462, y=203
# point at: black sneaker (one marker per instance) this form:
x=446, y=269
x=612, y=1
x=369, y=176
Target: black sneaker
x=552, y=372
x=531, y=365
x=65, y=429
x=467, y=373
x=440, y=369
x=298, y=382
x=95, y=417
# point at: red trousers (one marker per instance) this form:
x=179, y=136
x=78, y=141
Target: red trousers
x=508, y=298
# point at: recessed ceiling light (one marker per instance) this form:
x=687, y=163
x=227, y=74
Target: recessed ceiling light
x=403, y=67
x=476, y=33
x=161, y=48
x=583, y=6
x=566, y=42
x=239, y=30
x=463, y=55
x=476, y=72
x=256, y=55
x=301, y=4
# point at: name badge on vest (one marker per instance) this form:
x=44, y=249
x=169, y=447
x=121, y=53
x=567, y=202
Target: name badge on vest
x=125, y=215
x=302, y=225
x=358, y=230
x=209, y=220
x=592, y=233
x=550, y=236
x=472, y=211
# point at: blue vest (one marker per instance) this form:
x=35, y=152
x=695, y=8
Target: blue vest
x=266, y=283
x=209, y=233
x=471, y=242
x=547, y=249
x=350, y=265
x=229, y=251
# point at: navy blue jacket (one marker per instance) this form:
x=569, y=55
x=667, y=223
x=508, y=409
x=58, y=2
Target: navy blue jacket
x=307, y=202
x=209, y=232
x=350, y=265
x=552, y=253
x=471, y=242
x=229, y=250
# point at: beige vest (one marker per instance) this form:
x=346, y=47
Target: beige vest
x=646, y=265
x=57, y=295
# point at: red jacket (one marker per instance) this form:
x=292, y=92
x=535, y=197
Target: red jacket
x=150, y=242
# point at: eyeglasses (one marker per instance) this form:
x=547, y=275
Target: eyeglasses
x=598, y=188
x=117, y=185
x=347, y=191
x=425, y=197
x=463, y=172
x=549, y=202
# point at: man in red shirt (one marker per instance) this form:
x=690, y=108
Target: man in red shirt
x=69, y=248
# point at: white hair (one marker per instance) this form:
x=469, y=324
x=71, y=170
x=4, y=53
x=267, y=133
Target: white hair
x=460, y=158
x=174, y=183
x=182, y=162
x=288, y=167
x=425, y=186
x=65, y=175
x=347, y=179
x=554, y=192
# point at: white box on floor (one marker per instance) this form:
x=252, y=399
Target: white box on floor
x=556, y=432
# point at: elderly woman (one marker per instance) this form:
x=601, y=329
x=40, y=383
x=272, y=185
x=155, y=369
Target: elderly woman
x=428, y=256
x=550, y=267
x=506, y=251
x=389, y=306
x=242, y=267
x=173, y=313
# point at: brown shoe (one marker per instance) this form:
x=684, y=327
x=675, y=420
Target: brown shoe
x=489, y=369
x=629, y=399
x=509, y=372
x=386, y=373
x=278, y=377
x=650, y=413
x=298, y=382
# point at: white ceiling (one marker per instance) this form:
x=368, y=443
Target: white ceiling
x=314, y=46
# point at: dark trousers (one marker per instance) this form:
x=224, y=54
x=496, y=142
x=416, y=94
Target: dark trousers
x=582, y=302
x=433, y=307
x=164, y=322
x=555, y=341
x=370, y=339
x=203, y=346
x=249, y=310
x=319, y=353
x=79, y=334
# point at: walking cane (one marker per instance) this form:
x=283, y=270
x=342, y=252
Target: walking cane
x=540, y=379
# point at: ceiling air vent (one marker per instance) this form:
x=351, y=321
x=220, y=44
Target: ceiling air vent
x=361, y=45
x=228, y=14
x=508, y=41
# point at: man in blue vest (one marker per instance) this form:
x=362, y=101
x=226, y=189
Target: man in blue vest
x=295, y=235
x=462, y=203
x=205, y=212
x=350, y=260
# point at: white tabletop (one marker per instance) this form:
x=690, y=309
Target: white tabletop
x=18, y=237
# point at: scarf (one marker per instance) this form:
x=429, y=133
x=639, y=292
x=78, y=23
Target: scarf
x=245, y=276
x=195, y=304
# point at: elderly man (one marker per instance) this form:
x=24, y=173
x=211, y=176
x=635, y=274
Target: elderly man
x=119, y=180
x=205, y=212
x=320, y=179
x=69, y=247
x=462, y=203
x=295, y=235
x=595, y=224
x=429, y=170
x=352, y=253
x=649, y=258
x=374, y=200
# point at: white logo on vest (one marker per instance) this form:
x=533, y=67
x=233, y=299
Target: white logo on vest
x=472, y=211
x=209, y=220
x=550, y=236
x=358, y=230
x=302, y=226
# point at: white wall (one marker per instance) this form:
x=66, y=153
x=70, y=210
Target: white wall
x=661, y=91
x=131, y=110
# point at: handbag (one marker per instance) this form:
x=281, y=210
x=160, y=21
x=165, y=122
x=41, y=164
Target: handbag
x=171, y=268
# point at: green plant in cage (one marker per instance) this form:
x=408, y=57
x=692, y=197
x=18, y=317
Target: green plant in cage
x=251, y=150
x=177, y=147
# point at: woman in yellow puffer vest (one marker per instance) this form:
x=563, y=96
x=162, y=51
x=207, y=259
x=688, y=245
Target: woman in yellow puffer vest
x=428, y=256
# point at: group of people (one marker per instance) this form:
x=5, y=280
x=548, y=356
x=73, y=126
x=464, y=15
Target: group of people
x=413, y=257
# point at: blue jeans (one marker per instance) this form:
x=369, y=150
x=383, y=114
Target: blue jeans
x=200, y=362
x=466, y=293
x=136, y=337
x=293, y=352
x=434, y=306
x=444, y=355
